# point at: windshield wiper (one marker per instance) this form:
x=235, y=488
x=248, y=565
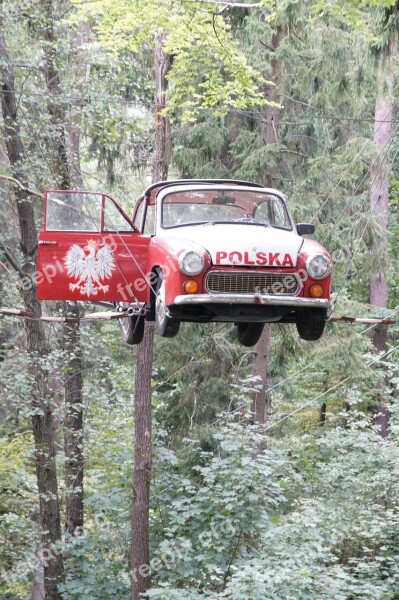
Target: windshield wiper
x=259, y=223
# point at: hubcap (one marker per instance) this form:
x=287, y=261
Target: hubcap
x=124, y=324
x=160, y=304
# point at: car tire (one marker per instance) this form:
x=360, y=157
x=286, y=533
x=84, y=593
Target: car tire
x=310, y=324
x=165, y=325
x=248, y=334
x=132, y=329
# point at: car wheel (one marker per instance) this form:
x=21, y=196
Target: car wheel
x=132, y=329
x=165, y=325
x=249, y=333
x=310, y=323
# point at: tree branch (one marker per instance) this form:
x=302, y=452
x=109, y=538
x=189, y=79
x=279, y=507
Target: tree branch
x=21, y=186
x=11, y=260
x=227, y=573
x=288, y=151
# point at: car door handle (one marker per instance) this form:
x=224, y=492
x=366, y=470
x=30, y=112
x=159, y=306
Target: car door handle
x=47, y=243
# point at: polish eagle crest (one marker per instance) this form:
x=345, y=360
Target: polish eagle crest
x=89, y=265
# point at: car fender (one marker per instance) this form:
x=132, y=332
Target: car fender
x=311, y=248
x=164, y=254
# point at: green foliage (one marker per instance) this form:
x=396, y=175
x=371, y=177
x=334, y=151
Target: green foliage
x=308, y=508
x=193, y=375
x=18, y=531
x=208, y=70
x=96, y=569
x=326, y=534
x=222, y=511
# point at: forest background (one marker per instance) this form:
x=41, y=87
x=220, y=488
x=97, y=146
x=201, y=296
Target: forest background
x=275, y=471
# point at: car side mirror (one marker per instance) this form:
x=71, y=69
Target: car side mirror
x=305, y=228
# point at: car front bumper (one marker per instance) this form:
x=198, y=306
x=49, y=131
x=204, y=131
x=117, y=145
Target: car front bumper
x=266, y=299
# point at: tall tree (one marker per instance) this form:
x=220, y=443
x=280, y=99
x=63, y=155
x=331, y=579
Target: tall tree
x=41, y=401
x=269, y=177
x=379, y=190
x=63, y=179
x=140, y=554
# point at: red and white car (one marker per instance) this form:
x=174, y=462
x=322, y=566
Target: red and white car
x=195, y=250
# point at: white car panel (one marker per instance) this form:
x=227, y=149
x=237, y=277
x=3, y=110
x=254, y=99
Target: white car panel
x=242, y=244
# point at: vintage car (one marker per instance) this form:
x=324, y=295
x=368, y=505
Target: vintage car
x=194, y=250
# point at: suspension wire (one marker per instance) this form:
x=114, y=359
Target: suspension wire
x=359, y=241
x=394, y=311
x=320, y=208
x=259, y=116
x=381, y=156
x=374, y=361
x=370, y=139
x=117, y=232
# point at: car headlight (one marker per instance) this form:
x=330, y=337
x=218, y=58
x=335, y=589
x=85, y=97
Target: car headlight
x=318, y=266
x=191, y=263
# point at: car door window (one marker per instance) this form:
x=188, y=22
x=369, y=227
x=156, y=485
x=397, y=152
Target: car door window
x=138, y=215
x=91, y=249
x=280, y=217
x=149, y=225
x=113, y=219
x=73, y=212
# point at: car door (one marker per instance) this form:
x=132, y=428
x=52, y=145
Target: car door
x=89, y=250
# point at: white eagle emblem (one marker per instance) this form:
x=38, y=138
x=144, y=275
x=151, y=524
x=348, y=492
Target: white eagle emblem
x=90, y=265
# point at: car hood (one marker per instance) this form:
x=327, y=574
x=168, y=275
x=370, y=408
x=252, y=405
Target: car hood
x=247, y=245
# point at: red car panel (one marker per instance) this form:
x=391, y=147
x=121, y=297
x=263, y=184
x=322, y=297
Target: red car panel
x=92, y=261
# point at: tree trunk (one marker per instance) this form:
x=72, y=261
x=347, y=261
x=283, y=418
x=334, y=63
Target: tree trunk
x=269, y=176
x=140, y=554
x=163, y=139
x=38, y=591
x=74, y=124
x=73, y=425
x=42, y=405
x=259, y=370
x=140, y=558
x=379, y=196
x=61, y=168
x=73, y=382
x=270, y=136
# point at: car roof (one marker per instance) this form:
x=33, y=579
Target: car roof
x=155, y=188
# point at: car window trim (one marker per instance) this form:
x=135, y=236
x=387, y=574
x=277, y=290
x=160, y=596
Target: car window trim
x=282, y=200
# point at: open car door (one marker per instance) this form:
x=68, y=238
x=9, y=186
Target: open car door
x=89, y=250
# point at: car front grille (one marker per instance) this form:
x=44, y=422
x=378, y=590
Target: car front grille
x=250, y=282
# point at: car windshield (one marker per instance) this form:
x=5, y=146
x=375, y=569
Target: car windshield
x=193, y=207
